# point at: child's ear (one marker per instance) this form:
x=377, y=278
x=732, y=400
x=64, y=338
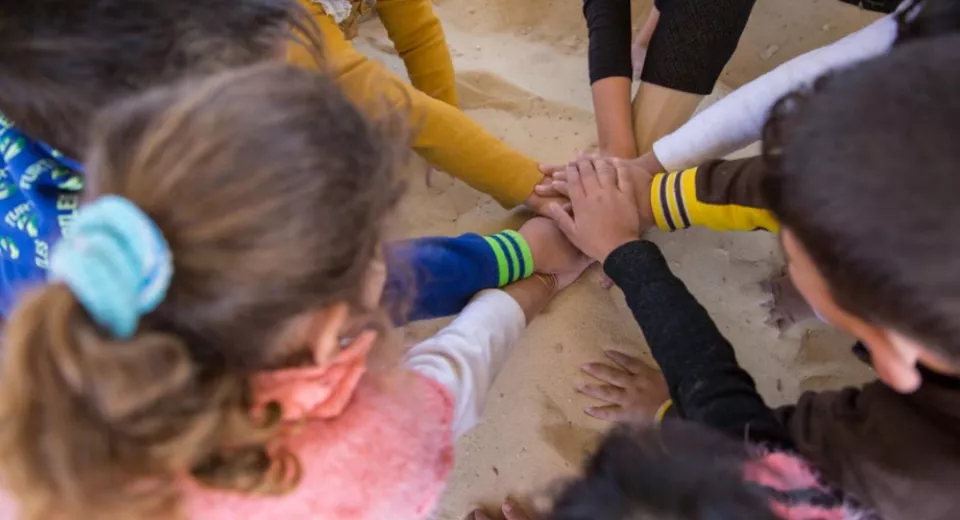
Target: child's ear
x=325, y=332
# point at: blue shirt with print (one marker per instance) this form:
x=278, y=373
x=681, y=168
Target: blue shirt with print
x=39, y=195
x=40, y=191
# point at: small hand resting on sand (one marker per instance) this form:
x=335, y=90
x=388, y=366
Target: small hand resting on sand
x=510, y=510
x=634, y=392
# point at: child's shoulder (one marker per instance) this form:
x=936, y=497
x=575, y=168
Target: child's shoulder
x=387, y=456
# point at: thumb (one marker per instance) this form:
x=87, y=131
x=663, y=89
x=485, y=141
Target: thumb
x=564, y=221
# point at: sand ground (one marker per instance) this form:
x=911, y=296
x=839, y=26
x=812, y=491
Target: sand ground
x=522, y=72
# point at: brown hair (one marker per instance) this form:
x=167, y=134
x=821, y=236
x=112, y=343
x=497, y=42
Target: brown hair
x=63, y=60
x=863, y=171
x=272, y=191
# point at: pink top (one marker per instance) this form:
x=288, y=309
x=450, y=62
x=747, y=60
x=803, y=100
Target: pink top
x=371, y=446
x=374, y=446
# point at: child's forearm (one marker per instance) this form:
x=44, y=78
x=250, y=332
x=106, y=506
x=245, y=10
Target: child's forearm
x=443, y=135
x=467, y=355
x=418, y=37
x=706, y=383
x=611, y=73
x=432, y=277
x=611, y=104
x=533, y=294
x=659, y=110
x=736, y=120
x=720, y=195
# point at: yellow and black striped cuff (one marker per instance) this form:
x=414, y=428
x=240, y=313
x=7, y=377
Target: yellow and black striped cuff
x=673, y=198
x=514, y=259
x=670, y=194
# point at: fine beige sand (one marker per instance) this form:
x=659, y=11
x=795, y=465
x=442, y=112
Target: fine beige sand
x=522, y=74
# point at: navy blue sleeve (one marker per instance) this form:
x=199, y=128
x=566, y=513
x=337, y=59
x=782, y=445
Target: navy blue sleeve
x=434, y=277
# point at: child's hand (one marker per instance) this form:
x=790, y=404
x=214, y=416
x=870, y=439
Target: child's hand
x=604, y=207
x=510, y=512
x=552, y=252
x=638, y=173
x=642, y=183
x=634, y=391
x=554, y=179
x=544, y=194
x=649, y=162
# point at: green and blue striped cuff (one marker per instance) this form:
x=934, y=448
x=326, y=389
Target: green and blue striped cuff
x=514, y=260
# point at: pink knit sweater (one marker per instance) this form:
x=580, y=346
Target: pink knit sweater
x=370, y=446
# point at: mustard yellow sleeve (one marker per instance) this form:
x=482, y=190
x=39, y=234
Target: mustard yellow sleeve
x=443, y=135
x=677, y=204
x=418, y=37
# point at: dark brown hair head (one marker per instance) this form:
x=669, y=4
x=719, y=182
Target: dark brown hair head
x=679, y=470
x=63, y=60
x=922, y=19
x=864, y=173
x=272, y=191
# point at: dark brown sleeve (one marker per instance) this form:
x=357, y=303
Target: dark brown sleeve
x=720, y=195
x=894, y=453
x=732, y=182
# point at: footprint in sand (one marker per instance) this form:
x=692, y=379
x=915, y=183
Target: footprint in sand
x=572, y=443
x=481, y=89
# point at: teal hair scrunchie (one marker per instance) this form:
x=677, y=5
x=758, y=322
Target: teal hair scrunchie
x=116, y=262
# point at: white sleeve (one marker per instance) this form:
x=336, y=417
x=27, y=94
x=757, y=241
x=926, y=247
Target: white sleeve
x=466, y=356
x=737, y=120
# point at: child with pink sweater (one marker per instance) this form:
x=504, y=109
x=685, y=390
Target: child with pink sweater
x=210, y=343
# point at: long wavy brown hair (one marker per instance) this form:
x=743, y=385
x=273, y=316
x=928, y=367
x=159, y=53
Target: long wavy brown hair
x=272, y=190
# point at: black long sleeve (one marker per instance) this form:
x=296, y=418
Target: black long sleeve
x=693, y=42
x=706, y=383
x=611, y=34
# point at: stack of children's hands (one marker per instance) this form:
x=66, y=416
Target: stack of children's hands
x=610, y=205
x=609, y=202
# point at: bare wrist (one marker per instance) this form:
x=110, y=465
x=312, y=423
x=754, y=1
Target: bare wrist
x=549, y=281
x=533, y=294
x=650, y=163
x=617, y=245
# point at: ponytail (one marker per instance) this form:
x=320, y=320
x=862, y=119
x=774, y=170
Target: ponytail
x=102, y=419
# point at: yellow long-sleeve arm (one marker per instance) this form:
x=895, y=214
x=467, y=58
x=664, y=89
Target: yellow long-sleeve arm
x=444, y=136
x=417, y=35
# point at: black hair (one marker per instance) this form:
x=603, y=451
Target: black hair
x=920, y=19
x=682, y=472
x=864, y=172
x=63, y=60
